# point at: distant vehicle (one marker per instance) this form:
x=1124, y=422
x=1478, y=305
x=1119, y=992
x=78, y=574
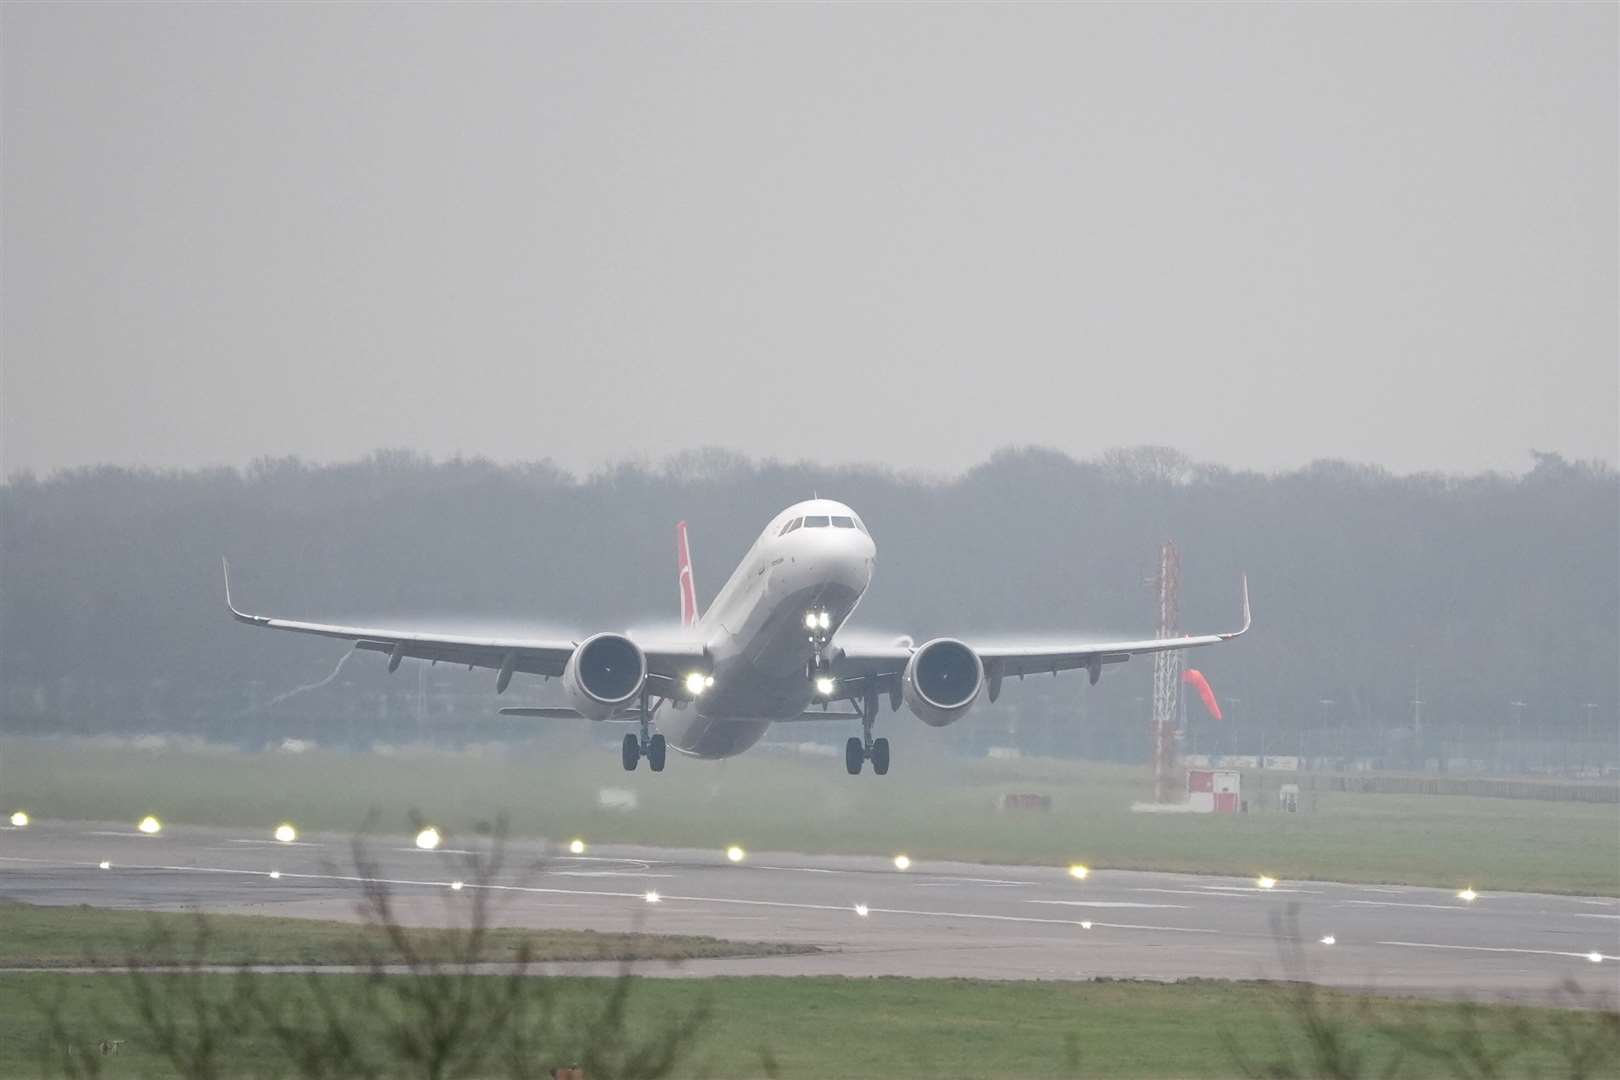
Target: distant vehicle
x=766, y=651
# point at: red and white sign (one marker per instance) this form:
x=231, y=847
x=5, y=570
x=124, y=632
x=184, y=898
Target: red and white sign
x=1214, y=791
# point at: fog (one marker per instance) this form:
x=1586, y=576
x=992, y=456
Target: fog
x=1263, y=234
x=1370, y=591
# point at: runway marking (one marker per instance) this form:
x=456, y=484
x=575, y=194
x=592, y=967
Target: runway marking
x=1497, y=948
x=276, y=843
x=435, y=851
x=975, y=881
x=1593, y=915
x=1206, y=890
x=979, y=884
x=608, y=873
x=130, y=835
x=1255, y=889
x=800, y=869
x=1407, y=903
x=1108, y=903
x=639, y=896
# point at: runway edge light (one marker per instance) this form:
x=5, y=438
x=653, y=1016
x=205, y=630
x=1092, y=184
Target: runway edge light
x=285, y=832
x=150, y=825
x=19, y=820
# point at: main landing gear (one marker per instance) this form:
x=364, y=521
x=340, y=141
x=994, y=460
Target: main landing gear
x=634, y=749
x=646, y=745
x=859, y=750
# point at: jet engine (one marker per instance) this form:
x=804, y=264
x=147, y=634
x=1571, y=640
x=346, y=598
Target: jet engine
x=603, y=674
x=942, y=680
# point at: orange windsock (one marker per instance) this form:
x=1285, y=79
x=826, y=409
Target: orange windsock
x=1195, y=679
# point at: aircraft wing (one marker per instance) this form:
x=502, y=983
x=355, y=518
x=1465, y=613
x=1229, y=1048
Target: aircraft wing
x=535, y=656
x=883, y=666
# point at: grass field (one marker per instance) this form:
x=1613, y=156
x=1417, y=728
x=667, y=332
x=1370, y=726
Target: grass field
x=894, y=1028
x=49, y=937
x=930, y=806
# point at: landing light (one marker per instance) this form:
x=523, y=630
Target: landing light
x=1079, y=872
x=150, y=825
x=428, y=838
x=810, y=620
x=825, y=619
x=19, y=820
x=576, y=847
x=1266, y=882
x=902, y=862
x=696, y=683
x=286, y=833
x=735, y=853
x=1468, y=895
x=825, y=686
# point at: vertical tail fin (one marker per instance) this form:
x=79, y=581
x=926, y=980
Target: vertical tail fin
x=683, y=555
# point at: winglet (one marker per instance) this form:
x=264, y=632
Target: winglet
x=255, y=620
x=1247, y=618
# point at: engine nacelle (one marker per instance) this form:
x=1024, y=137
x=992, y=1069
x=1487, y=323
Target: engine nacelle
x=604, y=674
x=942, y=681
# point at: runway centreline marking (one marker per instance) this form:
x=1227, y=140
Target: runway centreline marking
x=1109, y=903
x=1587, y=956
x=1593, y=915
x=275, y=843
x=1410, y=903
x=541, y=890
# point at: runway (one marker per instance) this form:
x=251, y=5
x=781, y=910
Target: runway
x=866, y=916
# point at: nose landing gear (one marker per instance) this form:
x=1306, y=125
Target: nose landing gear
x=864, y=748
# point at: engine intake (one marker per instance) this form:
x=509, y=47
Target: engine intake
x=942, y=681
x=605, y=672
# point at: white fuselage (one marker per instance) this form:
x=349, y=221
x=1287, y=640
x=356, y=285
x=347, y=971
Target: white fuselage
x=755, y=628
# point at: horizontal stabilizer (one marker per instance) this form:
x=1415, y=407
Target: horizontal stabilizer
x=552, y=712
x=818, y=714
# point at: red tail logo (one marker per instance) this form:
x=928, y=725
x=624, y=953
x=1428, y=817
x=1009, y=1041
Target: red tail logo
x=683, y=555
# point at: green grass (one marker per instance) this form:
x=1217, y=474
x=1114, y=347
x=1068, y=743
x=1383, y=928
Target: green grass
x=930, y=806
x=48, y=937
x=897, y=1028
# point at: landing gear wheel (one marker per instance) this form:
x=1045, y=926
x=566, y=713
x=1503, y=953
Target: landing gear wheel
x=880, y=756
x=655, y=753
x=854, y=756
x=631, y=752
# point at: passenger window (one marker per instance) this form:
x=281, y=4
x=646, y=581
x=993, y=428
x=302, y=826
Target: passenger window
x=816, y=521
x=790, y=526
x=843, y=523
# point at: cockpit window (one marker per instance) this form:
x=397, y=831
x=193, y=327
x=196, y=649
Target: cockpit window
x=861, y=525
x=816, y=521
x=790, y=526
x=843, y=523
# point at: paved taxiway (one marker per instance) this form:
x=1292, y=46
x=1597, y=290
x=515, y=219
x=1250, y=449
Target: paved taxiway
x=933, y=919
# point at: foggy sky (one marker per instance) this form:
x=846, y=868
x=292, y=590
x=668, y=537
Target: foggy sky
x=1262, y=234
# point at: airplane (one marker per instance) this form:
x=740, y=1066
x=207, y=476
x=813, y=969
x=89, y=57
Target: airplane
x=766, y=651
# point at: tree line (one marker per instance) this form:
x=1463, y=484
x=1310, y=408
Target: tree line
x=1493, y=599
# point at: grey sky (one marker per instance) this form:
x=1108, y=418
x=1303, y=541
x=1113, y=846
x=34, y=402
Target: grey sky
x=1261, y=234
